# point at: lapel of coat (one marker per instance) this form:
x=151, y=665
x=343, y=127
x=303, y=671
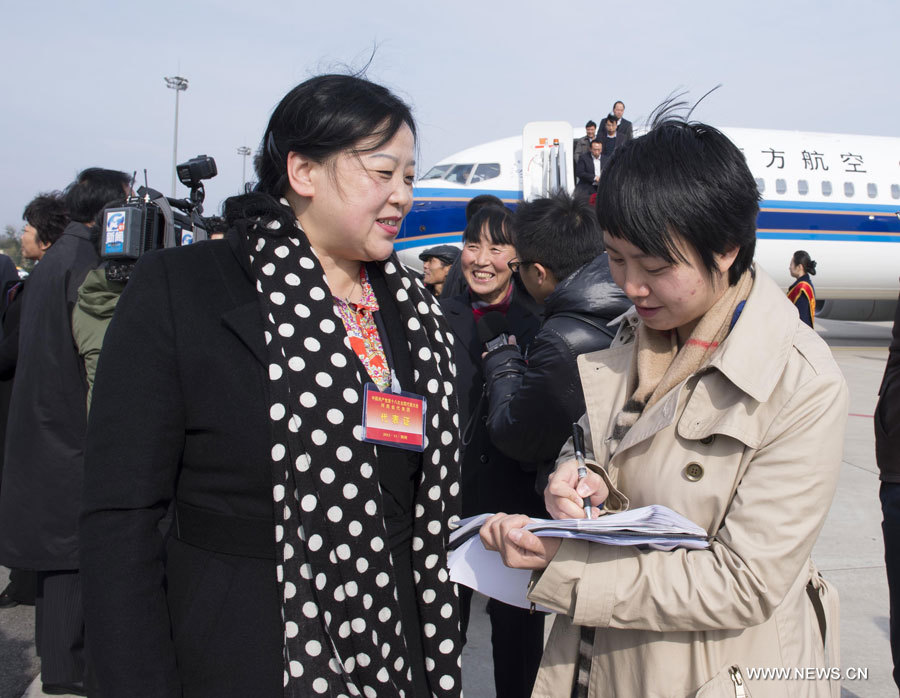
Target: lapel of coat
x=244, y=317
x=605, y=376
x=458, y=314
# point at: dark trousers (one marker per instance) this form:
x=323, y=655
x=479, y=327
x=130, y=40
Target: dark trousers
x=517, y=643
x=59, y=626
x=22, y=586
x=890, y=526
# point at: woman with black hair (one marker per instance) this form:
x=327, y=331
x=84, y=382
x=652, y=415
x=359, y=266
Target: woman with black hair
x=45, y=219
x=491, y=481
x=290, y=388
x=719, y=404
x=801, y=293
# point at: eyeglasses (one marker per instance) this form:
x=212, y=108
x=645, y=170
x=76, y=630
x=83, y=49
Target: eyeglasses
x=514, y=265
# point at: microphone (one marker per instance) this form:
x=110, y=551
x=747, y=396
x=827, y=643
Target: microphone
x=493, y=330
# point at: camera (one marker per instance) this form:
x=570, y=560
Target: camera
x=151, y=220
x=192, y=172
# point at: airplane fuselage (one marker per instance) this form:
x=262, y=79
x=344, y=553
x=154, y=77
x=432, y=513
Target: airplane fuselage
x=836, y=196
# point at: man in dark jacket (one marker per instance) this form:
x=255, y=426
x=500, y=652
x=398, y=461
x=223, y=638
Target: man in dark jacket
x=582, y=145
x=562, y=263
x=587, y=171
x=624, y=129
x=44, y=458
x=887, y=454
x=610, y=139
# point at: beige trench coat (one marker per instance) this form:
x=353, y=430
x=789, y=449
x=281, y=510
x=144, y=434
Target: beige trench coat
x=749, y=449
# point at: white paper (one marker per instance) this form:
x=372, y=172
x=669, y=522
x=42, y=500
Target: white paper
x=483, y=570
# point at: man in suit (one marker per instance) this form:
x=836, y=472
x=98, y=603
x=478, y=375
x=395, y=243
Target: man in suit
x=583, y=145
x=587, y=171
x=623, y=126
x=610, y=139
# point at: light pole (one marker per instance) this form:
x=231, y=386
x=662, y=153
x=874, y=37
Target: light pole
x=178, y=84
x=243, y=151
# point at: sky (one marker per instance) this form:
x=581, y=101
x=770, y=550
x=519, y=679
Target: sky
x=82, y=83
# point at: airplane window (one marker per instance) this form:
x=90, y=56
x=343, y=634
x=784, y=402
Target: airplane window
x=486, y=170
x=437, y=172
x=760, y=184
x=848, y=188
x=872, y=190
x=780, y=186
x=826, y=188
x=459, y=174
x=895, y=191
x=802, y=187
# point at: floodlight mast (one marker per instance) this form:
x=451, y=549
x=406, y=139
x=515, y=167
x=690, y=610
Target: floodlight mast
x=244, y=151
x=179, y=84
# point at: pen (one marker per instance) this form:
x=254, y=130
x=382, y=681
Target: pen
x=578, y=444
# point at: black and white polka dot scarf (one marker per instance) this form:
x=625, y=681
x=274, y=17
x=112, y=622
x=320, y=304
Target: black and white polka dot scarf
x=342, y=629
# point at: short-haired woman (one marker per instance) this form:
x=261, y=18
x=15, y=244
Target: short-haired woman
x=725, y=408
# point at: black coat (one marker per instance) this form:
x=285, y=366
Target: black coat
x=584, y=173
x=8, y=272
x=532, y=405
x=887, y=413
x=180, y=411
x=624, y=131
x=580, y=146
x=609, y=148
x=9, y=354
x=491, y=481
x=164, y=618
x=44, y=457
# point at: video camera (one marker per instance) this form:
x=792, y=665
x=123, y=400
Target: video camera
x=151, y=220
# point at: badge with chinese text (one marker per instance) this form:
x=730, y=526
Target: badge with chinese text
x=394, y=419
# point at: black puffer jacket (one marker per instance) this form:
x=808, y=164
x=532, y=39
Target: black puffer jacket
x=532, y=405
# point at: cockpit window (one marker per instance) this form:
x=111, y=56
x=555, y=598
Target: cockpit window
x=437, y=172
x=486, y=170
x=458, y=174
x=463, y=174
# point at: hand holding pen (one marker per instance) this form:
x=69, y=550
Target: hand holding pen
x=578, y=445
x=574, y=491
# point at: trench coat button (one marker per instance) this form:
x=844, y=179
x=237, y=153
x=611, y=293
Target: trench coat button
x=693, y=471
x=707, y=440
x=483, y=458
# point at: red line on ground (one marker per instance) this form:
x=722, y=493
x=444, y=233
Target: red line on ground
x=866, y=416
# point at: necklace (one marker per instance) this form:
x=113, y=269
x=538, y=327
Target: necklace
x=349, y=295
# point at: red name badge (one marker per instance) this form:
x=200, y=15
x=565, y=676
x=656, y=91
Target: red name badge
x=394, y=419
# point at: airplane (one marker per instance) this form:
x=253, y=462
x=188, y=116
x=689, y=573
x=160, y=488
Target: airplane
x=836, y=196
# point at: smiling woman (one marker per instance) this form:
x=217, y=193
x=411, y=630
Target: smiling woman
x=487, y=248
x=308, y=552
x=492, y=481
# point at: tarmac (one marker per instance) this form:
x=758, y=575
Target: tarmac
x=849, y=551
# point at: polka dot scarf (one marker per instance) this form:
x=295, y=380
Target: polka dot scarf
x=342, y=627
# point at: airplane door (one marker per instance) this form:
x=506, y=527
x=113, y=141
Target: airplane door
x=547, y=164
